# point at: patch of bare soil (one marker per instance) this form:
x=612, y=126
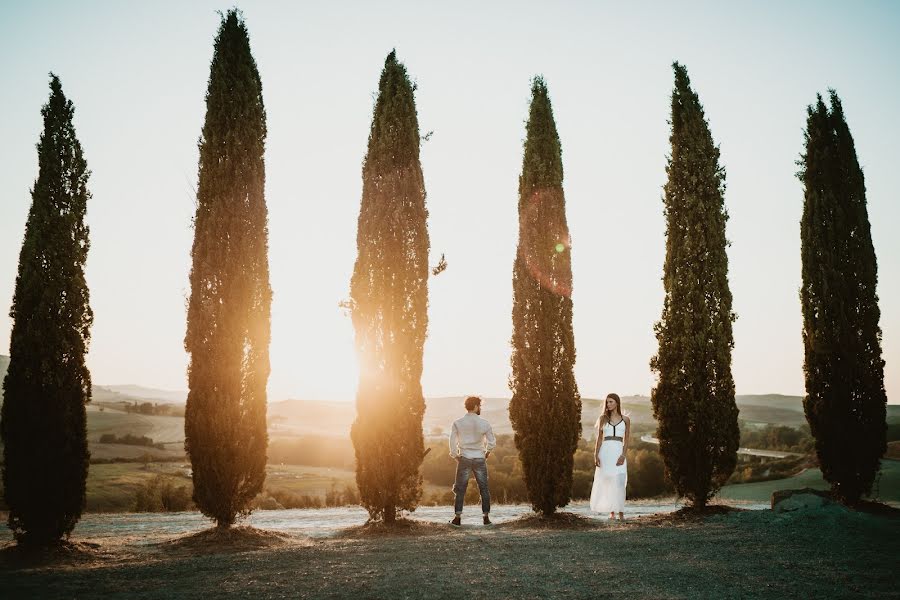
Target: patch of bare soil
x=561, y=521
x=399, y=528
x=221, y=540
x=823, y=500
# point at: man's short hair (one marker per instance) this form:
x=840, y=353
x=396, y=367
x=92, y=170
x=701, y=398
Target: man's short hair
x=472, y=402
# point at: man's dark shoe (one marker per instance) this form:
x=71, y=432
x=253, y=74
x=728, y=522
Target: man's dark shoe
x=457, y=521
x=487, y=520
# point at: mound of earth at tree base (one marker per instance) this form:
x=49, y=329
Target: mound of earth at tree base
x=558, y=521
x=225, y=540
x=809, y=500
x=399, y=528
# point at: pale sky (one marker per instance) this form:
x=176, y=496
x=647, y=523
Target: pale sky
x=137, y=73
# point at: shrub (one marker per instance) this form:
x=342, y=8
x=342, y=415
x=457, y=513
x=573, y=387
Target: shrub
x=162, y=494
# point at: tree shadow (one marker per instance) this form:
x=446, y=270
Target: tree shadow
x=63, y=553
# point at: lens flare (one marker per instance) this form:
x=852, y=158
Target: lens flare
x=544, y=241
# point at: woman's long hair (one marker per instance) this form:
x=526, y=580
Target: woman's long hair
x=607, y=414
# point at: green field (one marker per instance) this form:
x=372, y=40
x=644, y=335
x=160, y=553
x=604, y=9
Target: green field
x=893, y=414
x=761, y=491
x=113, y=487
x=314, y=481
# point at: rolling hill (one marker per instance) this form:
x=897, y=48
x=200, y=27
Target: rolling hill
x=293, y=418
x=299, y=418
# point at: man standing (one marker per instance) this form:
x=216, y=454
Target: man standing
x=471, y=442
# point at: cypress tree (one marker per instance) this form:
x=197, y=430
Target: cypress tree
x=693, y=400
x=845, y=400
x=228, y=327
x=44, y=423
x=389, y=301
x=545, y=409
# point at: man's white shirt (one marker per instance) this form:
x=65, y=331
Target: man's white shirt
x=471, y=436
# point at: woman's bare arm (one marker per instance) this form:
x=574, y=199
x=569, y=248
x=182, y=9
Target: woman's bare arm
x=625, y=440
x=598, y=442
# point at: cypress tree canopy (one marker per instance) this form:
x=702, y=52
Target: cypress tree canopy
x=693, y=400
x=389, y=303
x=44, y=423
x=545, y=409
x=845, y=401
x=228, y=324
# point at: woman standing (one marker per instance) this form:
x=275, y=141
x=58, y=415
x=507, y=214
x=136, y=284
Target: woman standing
x=611, y=474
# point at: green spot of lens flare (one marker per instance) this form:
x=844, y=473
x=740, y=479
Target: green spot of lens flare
x=560, y=247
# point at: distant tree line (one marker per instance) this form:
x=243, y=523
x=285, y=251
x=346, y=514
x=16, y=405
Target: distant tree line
x=162, y=494
x=778, y=437
x=646, y=477
x=131, y=440
x=153, y=408
x=277, y=498
x=754, y=468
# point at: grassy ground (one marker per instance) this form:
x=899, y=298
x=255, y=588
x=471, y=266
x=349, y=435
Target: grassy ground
x=108, y=420
x=755, y=554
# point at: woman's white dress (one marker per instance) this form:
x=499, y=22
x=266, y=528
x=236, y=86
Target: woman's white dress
x=610, y=479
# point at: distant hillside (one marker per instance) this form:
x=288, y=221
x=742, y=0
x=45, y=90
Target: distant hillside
x=292, y=420
x=4, y=365
x=310, y=417
x=117, y=393
x=297, y=417
x=139, y=393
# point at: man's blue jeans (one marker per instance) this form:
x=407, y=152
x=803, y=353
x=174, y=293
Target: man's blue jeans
x=465, y=466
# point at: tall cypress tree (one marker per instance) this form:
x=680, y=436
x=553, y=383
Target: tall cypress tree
x=545, y=409
x=845, y=401
x=44, y=423
x=228, y=327
x=693, y=400
x=389, y=300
